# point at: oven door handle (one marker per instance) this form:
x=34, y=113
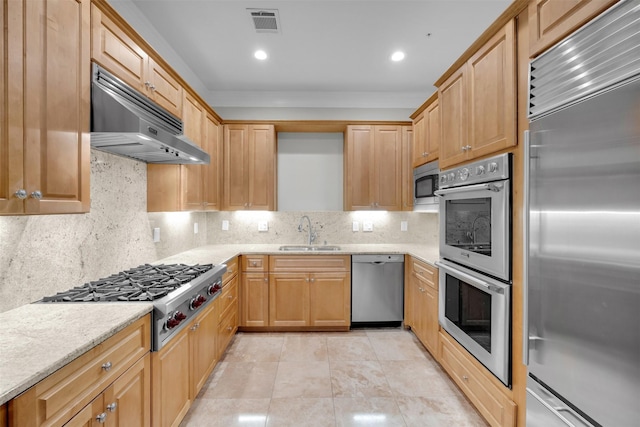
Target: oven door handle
x=491, y=186
x=472, y=280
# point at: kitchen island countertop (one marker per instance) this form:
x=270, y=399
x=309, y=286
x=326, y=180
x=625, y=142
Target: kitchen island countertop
x=38, y=339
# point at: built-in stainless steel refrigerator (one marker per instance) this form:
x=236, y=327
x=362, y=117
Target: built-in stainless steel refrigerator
x=582, y=248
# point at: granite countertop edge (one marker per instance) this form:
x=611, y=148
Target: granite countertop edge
x=21, y=367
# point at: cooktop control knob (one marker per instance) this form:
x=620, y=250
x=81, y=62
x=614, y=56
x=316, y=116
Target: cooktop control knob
x=493, y=166
x=175, y=320
x=212, y=289
x=480, y=170
x=180, y=316
x=464, y=174
x=443, y=179
x=196, y=302
x=451, y=176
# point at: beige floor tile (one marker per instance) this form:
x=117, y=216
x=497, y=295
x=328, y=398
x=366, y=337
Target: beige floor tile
x=400, y=345
x=417, y=378
x=227, y=413
x=350, y=348
x=358, y=379
x=302, y=379
x=248, y=380
x=299, y=412
x=439, y=412
x=302, y=348
x=368, y=412
x=254, y=348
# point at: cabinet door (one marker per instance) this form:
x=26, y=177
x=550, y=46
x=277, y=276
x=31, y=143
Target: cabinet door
x=359, y=189
x=88, y=416
x=407, y=169
x=116, y=51
x=255, y=299
x=261, y=167
x=387, y=173
x=492, y=94
x=417, y=306
x=128, y=399
x=170, y=399
x=550, y=21
x=165, y=89
x=236, y=146
x=419, y=149
x=203, y=336
x=431, y=326
x=289, y=299
x=432, y=114
x=193, y=175
x=11, y=107
x=212, y=171
x=57, y=109
x=452, y=97
x=330, y=299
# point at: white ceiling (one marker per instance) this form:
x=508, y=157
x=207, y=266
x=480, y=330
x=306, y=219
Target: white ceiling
x=329, y=54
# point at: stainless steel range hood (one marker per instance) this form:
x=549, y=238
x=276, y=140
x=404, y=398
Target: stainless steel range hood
x=125, y=122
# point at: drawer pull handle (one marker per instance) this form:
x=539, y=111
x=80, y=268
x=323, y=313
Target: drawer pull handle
x=230, y=297
x=111, y=407
x=101, y=418
x=107, y=366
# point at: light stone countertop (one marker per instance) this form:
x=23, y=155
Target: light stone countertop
x=38, y=339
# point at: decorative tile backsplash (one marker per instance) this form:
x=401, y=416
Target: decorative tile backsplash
x=44, y=254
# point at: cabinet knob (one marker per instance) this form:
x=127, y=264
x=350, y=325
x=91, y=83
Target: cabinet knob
x=36, y=195
x=111, y=407
x=147, y=83
x=465, y=378
x=254, y=263
x=313, y=279
x=464, y=148
x=101, y=418
x=229, y=328
x=230, y=297
x=107, y=366
x=425, y=154
x=21, y=194
x=307, y=279
x=152, y=87
x=266, y=280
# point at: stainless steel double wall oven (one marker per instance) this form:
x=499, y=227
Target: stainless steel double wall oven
x=475, y=265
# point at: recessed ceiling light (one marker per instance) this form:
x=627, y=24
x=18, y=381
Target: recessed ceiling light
x=260, y=54
x=397, y=56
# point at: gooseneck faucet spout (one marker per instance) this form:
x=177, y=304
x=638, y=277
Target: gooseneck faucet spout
x=311, y=234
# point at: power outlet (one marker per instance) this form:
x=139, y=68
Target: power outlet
x=225, y=225
x=404, y=226
x=263, y=226
x=367, y=226
x=156, y=235
x=195, y=228
x=356, y=226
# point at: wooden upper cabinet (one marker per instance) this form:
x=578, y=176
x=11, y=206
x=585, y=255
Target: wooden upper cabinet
x=407, y=168
x=212, y=198
x=193, y=175
x=452, y=96
x=426, y=127
x=478, y=102
x=373, y=168
x=492, y=94
x=115, y=49
x=249, y=167
x=551, y=20
x=45, y=149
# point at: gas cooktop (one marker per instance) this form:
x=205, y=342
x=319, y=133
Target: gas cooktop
x=143, y=283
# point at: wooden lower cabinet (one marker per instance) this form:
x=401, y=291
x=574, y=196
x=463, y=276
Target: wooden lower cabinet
x=3, y=416
x=488, y=395
x=255, y=300
x=90, y=416
x=310, y=291
x=422, y=290
x=203, y=341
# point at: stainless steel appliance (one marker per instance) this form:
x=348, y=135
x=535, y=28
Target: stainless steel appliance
x=476, y=311
x=377, y=290
x=582, y=270
x=475, y=216
x=125, y=122
x=425, y=184
x=178, y=293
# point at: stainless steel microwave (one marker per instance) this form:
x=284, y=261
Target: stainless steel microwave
x=425, y=184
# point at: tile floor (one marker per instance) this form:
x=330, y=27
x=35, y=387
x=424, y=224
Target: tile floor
x=374, y=378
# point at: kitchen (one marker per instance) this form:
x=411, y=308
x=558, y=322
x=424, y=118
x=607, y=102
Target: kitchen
x=117, y=183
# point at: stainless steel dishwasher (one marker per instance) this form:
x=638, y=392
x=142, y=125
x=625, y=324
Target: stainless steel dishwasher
x=377, y=290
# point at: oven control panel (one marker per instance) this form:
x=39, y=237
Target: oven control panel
x=492, y=169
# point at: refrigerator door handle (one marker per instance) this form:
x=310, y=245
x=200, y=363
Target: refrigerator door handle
x=525, y=252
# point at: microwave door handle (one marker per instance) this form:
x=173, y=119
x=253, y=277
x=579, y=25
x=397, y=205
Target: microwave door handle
x=495, y=187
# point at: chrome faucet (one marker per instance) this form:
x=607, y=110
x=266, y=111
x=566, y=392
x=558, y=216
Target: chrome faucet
x=312, y=234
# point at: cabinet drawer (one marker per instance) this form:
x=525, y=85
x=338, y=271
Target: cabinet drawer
x=226, y=329
x=497, y=408
x=425, y=273
x=232, y=270
x=310, y=263
x=228, y=297
x=255, y=263
x=62, y=394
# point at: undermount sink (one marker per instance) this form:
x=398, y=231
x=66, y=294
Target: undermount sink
x=308, y=248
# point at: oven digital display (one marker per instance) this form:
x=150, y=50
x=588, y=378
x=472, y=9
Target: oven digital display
x=468, y=224
x=469, y=308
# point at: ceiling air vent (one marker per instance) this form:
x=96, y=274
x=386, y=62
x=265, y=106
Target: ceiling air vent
x=265, y=20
